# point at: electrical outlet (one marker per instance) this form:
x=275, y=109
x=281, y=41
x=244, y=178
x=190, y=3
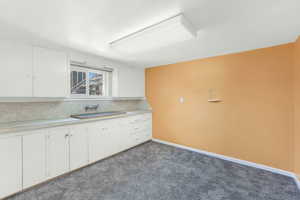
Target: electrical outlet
x=181, y=99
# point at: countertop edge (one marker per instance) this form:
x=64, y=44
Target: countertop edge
x=21, y=130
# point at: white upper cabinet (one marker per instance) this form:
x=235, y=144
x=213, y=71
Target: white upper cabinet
x=30, y=71
x=16, y=70
x=131, y=82
x=50, y=72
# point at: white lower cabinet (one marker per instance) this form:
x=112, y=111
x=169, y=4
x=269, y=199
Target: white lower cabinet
x=114, y=134
x=34, y=158
x=78, y=142
x=138, y=129
x=57, y=152
x=109, y=137
x=99, y=141
x=37, y=156
x=11, y=165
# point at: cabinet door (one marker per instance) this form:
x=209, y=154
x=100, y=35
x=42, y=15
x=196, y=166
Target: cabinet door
x=126, y=135
x=131, y=82
x=50, y=73
x=34, y=158
x=118, y=135
x=16, y=70
x=99, y=141
x=145, y=128
x=11, y=166
x=78, y=147
x=57, y=152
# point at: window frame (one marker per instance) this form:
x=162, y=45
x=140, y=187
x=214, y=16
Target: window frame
x=105, y=85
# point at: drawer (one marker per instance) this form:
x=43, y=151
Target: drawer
x=103, y=126
x=135, y=119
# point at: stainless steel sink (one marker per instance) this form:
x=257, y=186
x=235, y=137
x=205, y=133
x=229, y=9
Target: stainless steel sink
x=96, y=115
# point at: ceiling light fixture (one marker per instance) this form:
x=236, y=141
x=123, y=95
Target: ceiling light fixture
x=170, y=31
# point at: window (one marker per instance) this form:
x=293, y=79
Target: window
x=86, y=82
x=96, y=83
x=78, y=81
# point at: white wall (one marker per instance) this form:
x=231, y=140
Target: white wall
x=131, y=82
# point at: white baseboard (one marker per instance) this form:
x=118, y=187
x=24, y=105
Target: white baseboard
x=297, y=181
x=242, y=162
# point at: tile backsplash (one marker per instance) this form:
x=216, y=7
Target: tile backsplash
x=13, y=112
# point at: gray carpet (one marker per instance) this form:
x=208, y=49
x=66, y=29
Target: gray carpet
x=155, y=171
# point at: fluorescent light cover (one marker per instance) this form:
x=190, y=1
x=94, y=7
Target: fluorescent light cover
x=170, y=31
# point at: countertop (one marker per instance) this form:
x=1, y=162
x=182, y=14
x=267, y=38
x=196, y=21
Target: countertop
x=6, y=129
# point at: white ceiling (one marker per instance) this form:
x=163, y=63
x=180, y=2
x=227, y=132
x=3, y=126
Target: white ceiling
x=224, y=26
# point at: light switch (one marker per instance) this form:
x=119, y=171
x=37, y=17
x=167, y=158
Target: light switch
x=181, y=99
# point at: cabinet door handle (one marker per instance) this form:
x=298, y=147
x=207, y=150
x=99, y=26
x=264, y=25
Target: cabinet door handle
x=67, y=135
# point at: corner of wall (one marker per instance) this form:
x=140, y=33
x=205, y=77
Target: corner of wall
x=296, y=108
x=297, y=180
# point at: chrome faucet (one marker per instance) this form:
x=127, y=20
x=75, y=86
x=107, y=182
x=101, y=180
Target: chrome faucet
x=91, y=107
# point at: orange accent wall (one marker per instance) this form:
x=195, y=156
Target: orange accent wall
x=253, y=122
x=297, y=106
